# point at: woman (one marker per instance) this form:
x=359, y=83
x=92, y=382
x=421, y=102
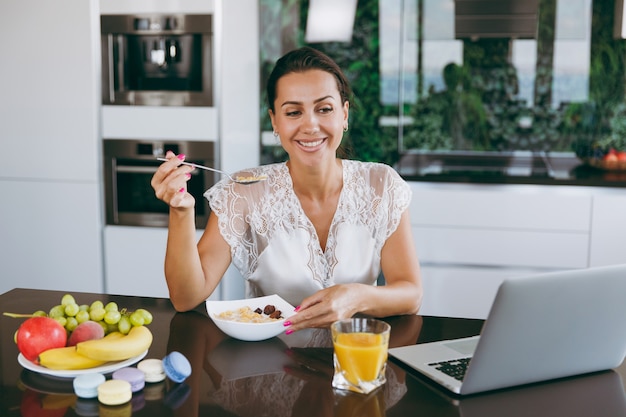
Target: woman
x=317, y=232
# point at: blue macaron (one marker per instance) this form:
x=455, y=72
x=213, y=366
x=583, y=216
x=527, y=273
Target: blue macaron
x=176, y=367
x=86, y=385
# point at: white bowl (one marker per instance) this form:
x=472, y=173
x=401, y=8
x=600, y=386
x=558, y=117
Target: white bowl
x=250, y=331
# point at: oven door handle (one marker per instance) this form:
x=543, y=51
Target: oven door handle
x=135, y=169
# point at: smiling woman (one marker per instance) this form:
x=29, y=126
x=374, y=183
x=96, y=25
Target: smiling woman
x=318, y=232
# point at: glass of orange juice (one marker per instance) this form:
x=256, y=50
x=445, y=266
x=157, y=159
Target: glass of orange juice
x=360, y=353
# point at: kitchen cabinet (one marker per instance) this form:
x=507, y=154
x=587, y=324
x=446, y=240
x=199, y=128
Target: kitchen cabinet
x=51, y=236
x=470, y=237
x=50, y=219
x=134, y=264
x=608, y=229
x=134, y=255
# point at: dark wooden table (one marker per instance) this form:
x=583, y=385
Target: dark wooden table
x=284, y=376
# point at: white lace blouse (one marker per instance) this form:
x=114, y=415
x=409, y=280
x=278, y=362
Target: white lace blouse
x=275, y=246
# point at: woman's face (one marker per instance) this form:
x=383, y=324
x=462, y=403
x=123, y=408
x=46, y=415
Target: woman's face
x=309, y=116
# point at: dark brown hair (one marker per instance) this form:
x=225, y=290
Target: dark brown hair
x=305, y=59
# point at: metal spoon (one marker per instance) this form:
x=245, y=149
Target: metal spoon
x=238, y=179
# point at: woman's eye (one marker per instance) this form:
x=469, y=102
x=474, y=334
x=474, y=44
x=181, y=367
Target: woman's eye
x=292, y=113
x=325, y=109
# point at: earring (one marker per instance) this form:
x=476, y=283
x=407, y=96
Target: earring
x=345, y=128
x=275, y=133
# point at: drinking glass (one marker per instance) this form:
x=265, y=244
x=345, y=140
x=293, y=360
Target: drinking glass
x=360, y=353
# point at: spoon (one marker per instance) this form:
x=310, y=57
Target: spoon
x=238, y=179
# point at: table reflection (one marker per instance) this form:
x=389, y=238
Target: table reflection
x=290, y=375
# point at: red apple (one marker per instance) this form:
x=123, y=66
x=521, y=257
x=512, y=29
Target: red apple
x=38, y=334
x=621, y=156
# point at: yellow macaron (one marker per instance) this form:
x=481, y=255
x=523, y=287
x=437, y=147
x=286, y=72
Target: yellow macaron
x=114, y=392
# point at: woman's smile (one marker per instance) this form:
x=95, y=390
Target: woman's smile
x=310, y=144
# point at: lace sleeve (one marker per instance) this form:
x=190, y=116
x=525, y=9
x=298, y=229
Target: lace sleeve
x=231, y=207
x=396, y=197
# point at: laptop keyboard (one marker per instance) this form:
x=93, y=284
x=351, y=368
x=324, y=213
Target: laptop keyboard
x=455, y=368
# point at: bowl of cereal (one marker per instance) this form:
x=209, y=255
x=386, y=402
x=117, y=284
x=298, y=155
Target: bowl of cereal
x=251, y=319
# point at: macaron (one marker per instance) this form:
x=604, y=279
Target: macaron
x=134, y=376
x=114, y=392
x=176, y=366
x=152, y=369
x=86, y=385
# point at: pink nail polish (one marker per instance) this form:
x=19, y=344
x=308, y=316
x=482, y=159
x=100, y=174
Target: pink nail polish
x=181, y=156
x=188, y=175
x=297, y=309
x=288, y=331
x=286, y=323
x=182, y=190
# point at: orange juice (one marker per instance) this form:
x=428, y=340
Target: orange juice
x=361, y=355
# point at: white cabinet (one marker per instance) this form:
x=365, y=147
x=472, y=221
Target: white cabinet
x=51, y=237
x=135, y=255
x=134, y=261
x=49, y=105
x=50, y=217
x=608, y=229
x=470, y=237
x=134, y=264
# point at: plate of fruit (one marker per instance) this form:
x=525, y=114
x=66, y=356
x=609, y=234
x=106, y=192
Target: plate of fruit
x=72, y=339
x=106, y=368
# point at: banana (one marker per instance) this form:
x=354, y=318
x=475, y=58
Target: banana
x=117, y=348
x=66, y=358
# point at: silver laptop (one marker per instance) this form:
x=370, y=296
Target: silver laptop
x=540, y=327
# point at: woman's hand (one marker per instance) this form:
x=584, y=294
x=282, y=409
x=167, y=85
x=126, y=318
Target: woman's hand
x=325, y=307
x=170, y=182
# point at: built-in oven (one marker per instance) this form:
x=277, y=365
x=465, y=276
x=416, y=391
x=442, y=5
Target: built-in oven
x=157, y=59
x=128, y=168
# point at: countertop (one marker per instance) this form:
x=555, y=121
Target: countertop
x=283, y=376
x=505, y=168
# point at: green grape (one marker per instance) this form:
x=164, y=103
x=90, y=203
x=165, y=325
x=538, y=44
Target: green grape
x=40, y=313
x=111, y=306
x=71, y=323
x=83, y=307
x=112, y=317
x=82, y=316
x=124, y=325
x=71, y=309
x=61, y=319
x=105, y=326
x=136, y=319
x=57, y=311
x=97, y=314
x=147, y=316
x=96, y=305
x=111, y=328
x=68, y=299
